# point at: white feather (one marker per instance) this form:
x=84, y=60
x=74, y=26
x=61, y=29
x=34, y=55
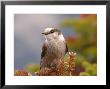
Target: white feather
x=61, y=37
x=48, y=29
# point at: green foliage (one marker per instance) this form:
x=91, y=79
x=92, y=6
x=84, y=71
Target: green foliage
x=32, y=68
x=86, y=64
x=84, y=43
x=84, y=74
x=89, y=68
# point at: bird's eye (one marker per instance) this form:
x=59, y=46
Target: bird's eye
x=52, y=31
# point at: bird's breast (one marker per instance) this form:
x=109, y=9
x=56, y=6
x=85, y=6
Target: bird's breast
x=56, y=49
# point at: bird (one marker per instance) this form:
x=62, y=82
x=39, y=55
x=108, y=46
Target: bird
x=54, y=48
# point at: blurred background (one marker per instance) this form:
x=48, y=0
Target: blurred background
x=80, y=32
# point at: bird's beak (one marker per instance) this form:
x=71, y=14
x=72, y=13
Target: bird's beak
x=43, y=33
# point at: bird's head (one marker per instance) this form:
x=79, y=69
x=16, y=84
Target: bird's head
x=52, y=33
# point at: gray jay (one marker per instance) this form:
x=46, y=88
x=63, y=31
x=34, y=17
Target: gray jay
x=54, y=48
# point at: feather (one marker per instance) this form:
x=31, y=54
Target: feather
x=44, y=49
x=43, y=53
x=66, y=50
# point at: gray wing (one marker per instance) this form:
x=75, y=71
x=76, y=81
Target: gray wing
x=43, y=53
x=66, y=50
x=44, y=49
